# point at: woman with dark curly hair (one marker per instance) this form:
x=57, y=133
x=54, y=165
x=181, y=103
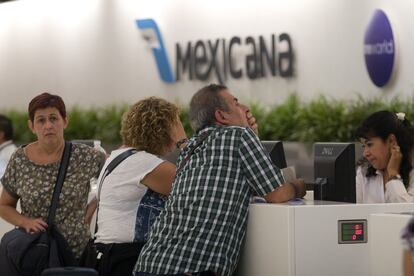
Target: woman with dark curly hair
x=386, y=173
x=131, y=196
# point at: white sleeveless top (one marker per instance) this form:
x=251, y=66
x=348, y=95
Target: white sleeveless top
x=121, y=194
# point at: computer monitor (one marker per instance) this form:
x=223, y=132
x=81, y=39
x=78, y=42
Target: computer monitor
x=276, y=153
x=334, y=167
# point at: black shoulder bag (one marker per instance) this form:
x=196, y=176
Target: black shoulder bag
x=24, y=254
x=92, y=254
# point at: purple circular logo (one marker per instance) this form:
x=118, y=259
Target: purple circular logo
x=379, y=49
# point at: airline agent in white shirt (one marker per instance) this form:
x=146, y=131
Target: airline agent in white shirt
x=386, y=173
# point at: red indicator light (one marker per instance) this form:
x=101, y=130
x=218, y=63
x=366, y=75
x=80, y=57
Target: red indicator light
x=352, y=231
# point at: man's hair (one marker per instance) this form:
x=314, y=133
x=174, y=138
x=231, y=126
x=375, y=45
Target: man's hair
x=6, y=127
x=46, y=100
x=204, y=104
x=147, y=125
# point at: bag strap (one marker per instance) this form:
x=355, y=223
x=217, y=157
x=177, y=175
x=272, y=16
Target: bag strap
x=111, y=166
x=117, y=160
x=64, y=163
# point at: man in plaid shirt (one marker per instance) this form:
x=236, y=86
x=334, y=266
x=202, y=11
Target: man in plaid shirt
x=202, y=227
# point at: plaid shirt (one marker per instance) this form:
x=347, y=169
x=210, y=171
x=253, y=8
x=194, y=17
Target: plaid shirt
x=204, y=220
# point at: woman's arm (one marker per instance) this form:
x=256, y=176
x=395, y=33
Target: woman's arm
x=9, y=213
x=395, y=190
x=161, y=178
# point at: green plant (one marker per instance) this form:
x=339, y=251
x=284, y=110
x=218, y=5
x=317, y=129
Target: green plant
x=82, y=123
x=22, y=133
x=186, y=122
x=108, y=126
x=322, y=119
x=281, y=122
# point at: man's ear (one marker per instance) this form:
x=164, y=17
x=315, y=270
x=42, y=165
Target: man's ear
x=220, y=117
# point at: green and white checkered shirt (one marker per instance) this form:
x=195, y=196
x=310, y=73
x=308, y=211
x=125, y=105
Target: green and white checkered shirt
x=204, y=221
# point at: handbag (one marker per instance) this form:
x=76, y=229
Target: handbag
x=93, y=252
x=24, y=254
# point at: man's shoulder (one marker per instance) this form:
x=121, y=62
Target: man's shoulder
x=225, y=133
x=233, y=130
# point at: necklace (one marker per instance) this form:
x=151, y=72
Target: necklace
x=44, y=155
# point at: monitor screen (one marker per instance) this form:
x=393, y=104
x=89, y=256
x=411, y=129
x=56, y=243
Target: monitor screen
x=334, y=167
x=276, y=153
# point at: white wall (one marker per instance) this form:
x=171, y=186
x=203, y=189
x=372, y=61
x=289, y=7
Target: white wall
x=91, y=52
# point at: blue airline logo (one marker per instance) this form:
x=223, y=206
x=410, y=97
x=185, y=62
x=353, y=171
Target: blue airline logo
x=151, y=33
x=379, y=49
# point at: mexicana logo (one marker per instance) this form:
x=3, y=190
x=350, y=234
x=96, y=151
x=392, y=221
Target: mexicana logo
x=379, y=49
x=152, y=34
x=220, y=58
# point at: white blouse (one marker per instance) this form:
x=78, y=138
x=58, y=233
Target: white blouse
x=121, y=196
x=371, y=189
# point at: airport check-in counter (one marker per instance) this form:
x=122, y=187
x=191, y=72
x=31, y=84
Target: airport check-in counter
x=315, y=238
x=301, y=238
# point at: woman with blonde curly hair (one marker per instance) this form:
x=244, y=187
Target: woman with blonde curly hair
x=133, y=194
